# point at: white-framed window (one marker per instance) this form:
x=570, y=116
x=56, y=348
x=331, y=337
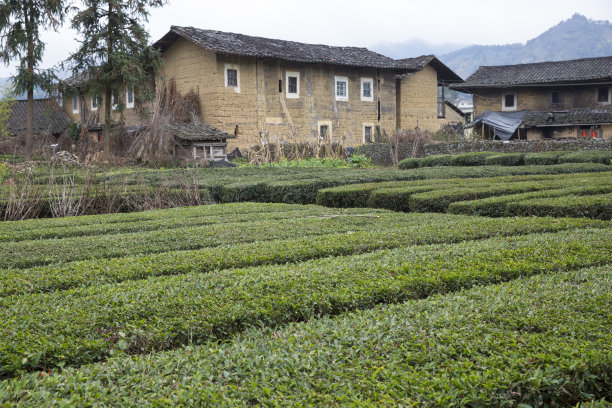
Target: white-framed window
x=60, y=99
x=129, y=98
x=113, y=102
x=95, y=102
x=509, y=102
x=341, y=88
x=367, y=89
x=293, y=84
x=325, y=130
x=75, y=104
x=232, y=77
x=368, y=133
x=603, y=95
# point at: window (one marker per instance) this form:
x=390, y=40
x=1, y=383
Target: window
x=509, y=102
x=367, y=92
x=341, y=88
x=293, y=84
x=555, y=98
x=60, y=99
x=324, y=131
x=129, y=98
x=367, y=133
x=114, y=101
x=232, y=77
x=94, y=103
x=603, y=95
x=75, y=104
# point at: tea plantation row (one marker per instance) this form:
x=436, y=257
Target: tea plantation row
x=577, y=195
x=542, y=340
x=86, y=324
x=508, y=159
x=127, y=190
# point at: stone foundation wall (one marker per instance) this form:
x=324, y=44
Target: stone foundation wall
x=522, y=146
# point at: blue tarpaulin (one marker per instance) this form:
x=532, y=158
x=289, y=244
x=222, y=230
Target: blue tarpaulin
x=504, y=123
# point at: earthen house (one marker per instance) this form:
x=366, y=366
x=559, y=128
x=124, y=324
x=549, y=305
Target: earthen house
x=266, y=90
x=565, y=99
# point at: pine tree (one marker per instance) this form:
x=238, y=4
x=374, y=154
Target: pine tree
x=114, y=52
x=20, y=24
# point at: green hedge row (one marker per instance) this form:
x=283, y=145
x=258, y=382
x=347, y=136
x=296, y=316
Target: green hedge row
x=24, y=254
x=538, y=341
x=166, y=219
x=84, y=325
x=507, y=159
x=402, y=230
x=567, y=202
x=438, y=195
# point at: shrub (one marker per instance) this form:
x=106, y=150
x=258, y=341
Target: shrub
x=84, y=325
x=396, y=199
x=518, y=343
x=543, y=158
x=470, y=159
x=505, y=159
x=409, y=163
x=594, y=156
x=595, y=206
x=436, y=160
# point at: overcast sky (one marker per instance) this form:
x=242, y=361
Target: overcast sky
x=358, y=22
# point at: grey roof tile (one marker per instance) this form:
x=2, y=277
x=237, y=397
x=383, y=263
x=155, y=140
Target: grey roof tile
x=582, y=70
x=198, y=132
x=245, y=45
x=48, y=117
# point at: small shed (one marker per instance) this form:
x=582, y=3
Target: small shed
x=47, y=115
x=199, y=141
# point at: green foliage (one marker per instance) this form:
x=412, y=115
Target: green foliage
x=471, y=196
x=354, y=232
x=536, y=341
x=594, y=156
x=359, y=160
x=4, y=172
x=7, y=100
x=409, y=163
x=505, y=159
x=544, y=158
x=83, y=325
x=471, y=159
x=436, y=160
x=114, y=52
x=74, y=131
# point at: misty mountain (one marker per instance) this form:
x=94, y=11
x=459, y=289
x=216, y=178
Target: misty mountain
x=413, y=48
x=577, y=37
x=38, y=93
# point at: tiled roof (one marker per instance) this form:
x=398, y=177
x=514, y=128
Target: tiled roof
x=582, y=116
x=245, y=45
x=48, y=117
x=445, y=74
x=573, y=71
x=198, y=133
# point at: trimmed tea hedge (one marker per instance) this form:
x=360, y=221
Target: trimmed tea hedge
x=592, y=206
x=84, y=325
x=535, y=341
x=404, y=229
x=506, y=159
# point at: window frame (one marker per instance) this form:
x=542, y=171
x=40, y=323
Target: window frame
x=327, y=123
x=233, y=67
x=97, y=103
x=296, y=75
x=509, y=108
x=128, y=104
x=552, y=99
x=75, y=104
x=371, y=127
x=371, y=82
x=344, y=79
x=606, y=102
